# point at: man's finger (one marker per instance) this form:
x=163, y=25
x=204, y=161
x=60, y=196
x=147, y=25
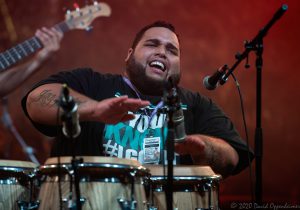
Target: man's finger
x=133, y=104
x=118, y=100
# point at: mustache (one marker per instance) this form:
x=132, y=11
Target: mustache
x=132, y=62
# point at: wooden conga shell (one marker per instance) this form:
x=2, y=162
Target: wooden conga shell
x=193, y=187
x=103, y=180
x=14, y=183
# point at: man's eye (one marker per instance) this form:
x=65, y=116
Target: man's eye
x=174, y=52
x=150, y=45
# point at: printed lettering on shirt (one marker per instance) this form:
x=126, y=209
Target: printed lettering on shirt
x=126, y=139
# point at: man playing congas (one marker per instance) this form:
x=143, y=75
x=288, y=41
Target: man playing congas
x=123, y=115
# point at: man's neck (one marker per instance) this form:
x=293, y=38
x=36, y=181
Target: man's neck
x=148, y=92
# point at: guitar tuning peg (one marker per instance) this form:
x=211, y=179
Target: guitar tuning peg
x=76, y=6
x=69, y=15
x=96, y=3
x=89, y=28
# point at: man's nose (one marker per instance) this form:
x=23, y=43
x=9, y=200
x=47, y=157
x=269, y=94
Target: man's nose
x=161, y=51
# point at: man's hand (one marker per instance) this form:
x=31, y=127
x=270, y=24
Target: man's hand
x=211, y=151
x=16, y=75
x=114, y=110
x=50, y=39
x=193, y=145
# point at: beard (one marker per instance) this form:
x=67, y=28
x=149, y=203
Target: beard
x=145, y=84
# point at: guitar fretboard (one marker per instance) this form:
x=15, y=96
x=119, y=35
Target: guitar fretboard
x=24, y=49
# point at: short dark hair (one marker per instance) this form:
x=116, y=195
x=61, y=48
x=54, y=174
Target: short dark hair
x=158, y=23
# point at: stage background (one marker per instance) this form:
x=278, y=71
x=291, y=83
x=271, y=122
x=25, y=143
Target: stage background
x=211, y=32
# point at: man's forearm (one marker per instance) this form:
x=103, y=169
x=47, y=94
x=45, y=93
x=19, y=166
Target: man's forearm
x=12, y=78
x=218, y=154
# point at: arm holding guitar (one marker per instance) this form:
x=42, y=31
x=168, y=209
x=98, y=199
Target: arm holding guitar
x=49, y=40
x=12, y=78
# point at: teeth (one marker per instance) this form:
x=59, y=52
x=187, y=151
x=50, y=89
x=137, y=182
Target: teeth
x=158, y=64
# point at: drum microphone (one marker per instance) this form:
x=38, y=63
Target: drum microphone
x=70, y=117
x=211, y=82
x=178, y=118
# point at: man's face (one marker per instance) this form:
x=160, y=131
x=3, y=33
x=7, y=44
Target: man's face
x=155, y=57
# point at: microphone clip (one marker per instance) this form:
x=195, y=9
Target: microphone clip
x=171, y=98
x=175, y=112
x=69, y=115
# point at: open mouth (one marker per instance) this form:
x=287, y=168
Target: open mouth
x=158, y=64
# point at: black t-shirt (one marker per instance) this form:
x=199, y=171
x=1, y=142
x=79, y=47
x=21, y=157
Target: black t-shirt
x=144, y=137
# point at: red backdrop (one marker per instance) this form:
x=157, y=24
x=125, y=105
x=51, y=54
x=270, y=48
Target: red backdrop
x=211, y=32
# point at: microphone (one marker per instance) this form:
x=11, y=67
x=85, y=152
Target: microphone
x=211, y=82
x=70, y=117
x=174, y=103
x=179, y=129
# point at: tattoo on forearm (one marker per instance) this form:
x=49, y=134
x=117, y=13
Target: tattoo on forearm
x=46, y=98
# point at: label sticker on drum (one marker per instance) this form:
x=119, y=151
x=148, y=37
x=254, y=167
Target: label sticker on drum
x=151, y=148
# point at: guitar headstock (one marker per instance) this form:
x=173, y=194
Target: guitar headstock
x=81, y=18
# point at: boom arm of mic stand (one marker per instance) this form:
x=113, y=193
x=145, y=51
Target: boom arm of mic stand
x=252, y=45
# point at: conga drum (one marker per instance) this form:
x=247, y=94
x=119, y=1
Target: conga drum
x=105, y=183
x=194, y=187
x=16, y=185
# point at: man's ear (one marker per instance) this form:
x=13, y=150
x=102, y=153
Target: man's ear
x=130, y=51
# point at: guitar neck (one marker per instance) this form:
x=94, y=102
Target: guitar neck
x=24, y=49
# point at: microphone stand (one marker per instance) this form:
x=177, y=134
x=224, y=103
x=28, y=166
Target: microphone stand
x=67, y=118
x=256, y=44
x=75, y=163
x=29, y=151
x=8, y=123
x=170, y=159
x=171, y=99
